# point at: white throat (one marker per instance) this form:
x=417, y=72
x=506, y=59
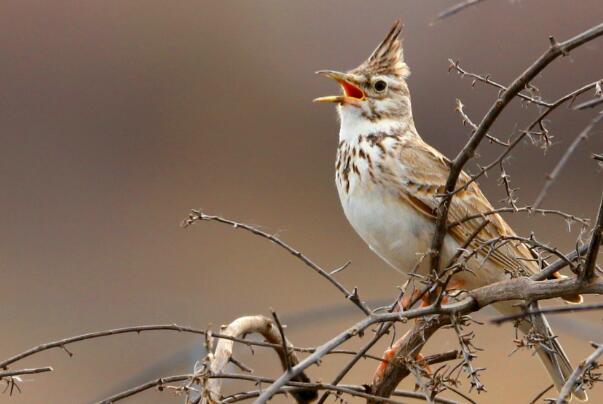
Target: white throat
x=354, y=124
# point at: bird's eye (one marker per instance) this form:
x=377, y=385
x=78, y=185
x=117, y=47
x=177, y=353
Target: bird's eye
x=380, y=85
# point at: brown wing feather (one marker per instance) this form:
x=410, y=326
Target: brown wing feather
x=422, y=172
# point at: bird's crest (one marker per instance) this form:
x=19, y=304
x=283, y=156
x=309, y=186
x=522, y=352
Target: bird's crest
x=387, y=58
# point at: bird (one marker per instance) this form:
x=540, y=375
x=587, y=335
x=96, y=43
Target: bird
x=390, y=182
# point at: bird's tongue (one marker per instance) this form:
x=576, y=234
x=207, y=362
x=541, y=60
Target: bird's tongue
x=351, y=90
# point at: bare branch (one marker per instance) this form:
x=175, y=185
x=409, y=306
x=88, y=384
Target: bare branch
x=196, y=216
x=589, y=104
x=550, y=178
x=242, y=326
x=542, y=393
x=381, y=331
x=457, y=8
x=31, y=371
x=159, y=383
x=574, y=380
x=281, y=332
x=548, y=310
x=486, y=79
x=555, y=50
x=588, y=270
x=526, y=132
x=524, y=209
x=353, y=390
x=467, y=121
x=512, y=289
x=63, y=342
x=386, y=380
x=398, y=393
x=559, y=264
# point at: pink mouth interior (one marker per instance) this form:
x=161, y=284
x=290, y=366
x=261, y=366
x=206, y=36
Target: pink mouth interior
x=351, y=90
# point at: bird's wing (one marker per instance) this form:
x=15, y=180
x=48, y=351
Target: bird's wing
x=420, y=172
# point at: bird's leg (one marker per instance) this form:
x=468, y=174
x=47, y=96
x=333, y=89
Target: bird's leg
x=390, y=354
x=453, y=284
x=405, y=303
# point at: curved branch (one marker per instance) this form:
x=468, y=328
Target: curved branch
x=240, y=327
x=63, y=342
x=196, y=216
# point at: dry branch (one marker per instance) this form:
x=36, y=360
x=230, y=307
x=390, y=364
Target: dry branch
x=512, y=289
x=240, y=327
x=406, y=350
x=555, y=50
x=291, y=388
x=62, y=343
x=31, y=371
x=550, y=178
x=197, y=215
x=588, y=271
x=457, y=8
x=578, y=374
x=548, y=310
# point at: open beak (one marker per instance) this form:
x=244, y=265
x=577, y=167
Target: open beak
x=351, y=91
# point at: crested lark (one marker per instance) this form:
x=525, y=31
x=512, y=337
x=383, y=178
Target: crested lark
x=389, y=179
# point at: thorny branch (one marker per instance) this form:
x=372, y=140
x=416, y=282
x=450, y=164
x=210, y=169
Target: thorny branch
x=164, y=383
x=446, y=310
x=555, y=50
x=62, y=343
x=550, y=179
x=580, y=375
x=196, y=216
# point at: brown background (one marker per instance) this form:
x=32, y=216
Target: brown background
x=117, y=117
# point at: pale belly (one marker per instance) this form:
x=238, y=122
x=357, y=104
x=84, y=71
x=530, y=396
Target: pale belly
x=391, y=228
x=401, y=236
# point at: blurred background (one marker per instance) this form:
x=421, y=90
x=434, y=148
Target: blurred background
x=118, y=117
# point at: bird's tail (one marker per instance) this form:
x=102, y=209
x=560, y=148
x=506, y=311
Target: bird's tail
x=549, y=350
x=551, y=354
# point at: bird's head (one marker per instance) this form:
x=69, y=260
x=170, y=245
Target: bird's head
x=377, y=88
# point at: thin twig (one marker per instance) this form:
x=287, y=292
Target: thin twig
x=31, y=371
x=196, y=216
x=63, y=342
x=542, y=393
x=457, y=8
x=578, y=373
x=486, y=79
x=550, y=178
x=524, y=209
x=381, y=331
x=512, y=289
x=398, y=393
x=357, y=391
x=589, y=104
x=283, y=339
x=588, y=269
x=548, y=310
x=553, y=52
x=526, y=132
